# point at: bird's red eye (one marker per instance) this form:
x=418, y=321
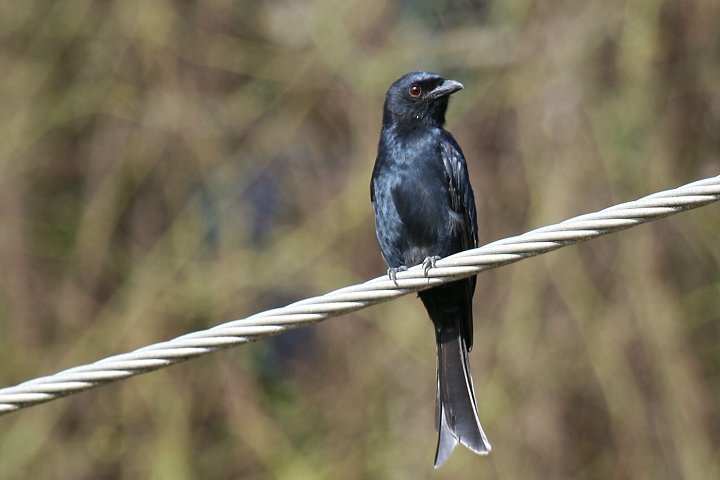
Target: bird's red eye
x=415, y=90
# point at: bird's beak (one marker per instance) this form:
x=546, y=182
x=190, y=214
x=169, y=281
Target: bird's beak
x=446, y=88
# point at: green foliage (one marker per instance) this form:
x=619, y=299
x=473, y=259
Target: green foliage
x=166, y=166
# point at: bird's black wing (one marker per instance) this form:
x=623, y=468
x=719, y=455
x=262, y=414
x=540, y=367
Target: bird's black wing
x=461, y=194
x=462, y=201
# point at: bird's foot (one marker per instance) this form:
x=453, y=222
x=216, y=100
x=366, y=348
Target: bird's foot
x=429, y=263
x=392, y=272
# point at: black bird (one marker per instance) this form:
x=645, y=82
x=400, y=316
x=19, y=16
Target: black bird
x=425, y=209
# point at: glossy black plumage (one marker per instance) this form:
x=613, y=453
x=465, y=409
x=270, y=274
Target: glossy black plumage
x=425, y=208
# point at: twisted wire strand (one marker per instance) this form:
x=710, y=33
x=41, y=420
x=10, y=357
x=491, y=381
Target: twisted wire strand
x=355, y=297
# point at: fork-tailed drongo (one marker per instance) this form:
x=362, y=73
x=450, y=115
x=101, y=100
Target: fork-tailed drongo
x=425, y=209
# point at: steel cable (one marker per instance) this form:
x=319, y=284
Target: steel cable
x=355, y=297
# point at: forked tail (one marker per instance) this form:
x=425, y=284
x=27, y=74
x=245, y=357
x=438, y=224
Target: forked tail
x=456, y=413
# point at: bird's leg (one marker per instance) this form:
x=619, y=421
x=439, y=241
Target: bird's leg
x=392, y=272
x=429, y=263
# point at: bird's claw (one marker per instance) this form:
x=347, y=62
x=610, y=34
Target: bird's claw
x=392, y=272
x=429, y=263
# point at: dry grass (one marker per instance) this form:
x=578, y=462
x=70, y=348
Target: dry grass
x=166, y=166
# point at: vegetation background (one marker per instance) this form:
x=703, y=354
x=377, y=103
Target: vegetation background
x=166, y=166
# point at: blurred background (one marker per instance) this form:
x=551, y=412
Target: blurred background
x=166, y=166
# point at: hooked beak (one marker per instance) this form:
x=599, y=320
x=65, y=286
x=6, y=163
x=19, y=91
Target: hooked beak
x=448, y=87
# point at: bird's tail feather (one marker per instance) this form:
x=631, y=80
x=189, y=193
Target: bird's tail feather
x=456, y=413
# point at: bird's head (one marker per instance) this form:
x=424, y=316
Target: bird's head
x=419, y=97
